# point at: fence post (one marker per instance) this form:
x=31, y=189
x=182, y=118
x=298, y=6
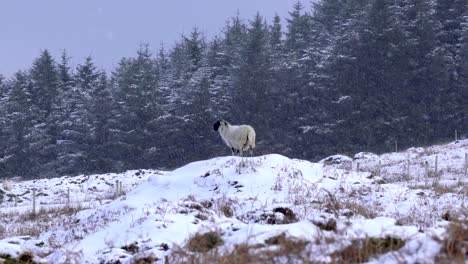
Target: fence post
x=379, y=168
x=426, y=172
x=465, y=167
x=117, y=185
x=466, y=163
x=396, y=145
x=463, y=199
x=408, y=168
x=34, y=202
x=68, y=197
x=357, y=167
x=437, y=166
x=16, y=200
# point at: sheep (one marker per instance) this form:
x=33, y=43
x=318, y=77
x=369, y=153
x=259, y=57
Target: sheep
x=238, y=138
x=7, y=185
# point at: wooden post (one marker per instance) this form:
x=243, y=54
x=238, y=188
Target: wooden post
x=463, y=199
x=437, y=166
x=357, y=167
x=379, y=168
x=16, y=200
x=465, y=166
x=117, y=188
x=466, y=163
x=68, y=197
x=426, y=172
x=396, y=145
x=408, y=168
x=34, y=202
x=120, y=188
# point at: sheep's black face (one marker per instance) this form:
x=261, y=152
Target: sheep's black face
x=216, y=125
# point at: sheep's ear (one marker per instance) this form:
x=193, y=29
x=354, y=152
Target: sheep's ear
x=216, y=125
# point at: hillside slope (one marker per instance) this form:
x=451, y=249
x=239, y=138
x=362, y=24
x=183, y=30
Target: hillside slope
x=273, y=207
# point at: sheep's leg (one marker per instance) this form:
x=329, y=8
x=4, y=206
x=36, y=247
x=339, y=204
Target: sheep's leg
x=235, y=152
x=241, y=154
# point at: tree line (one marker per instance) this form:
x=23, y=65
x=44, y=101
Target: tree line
x=342, y=77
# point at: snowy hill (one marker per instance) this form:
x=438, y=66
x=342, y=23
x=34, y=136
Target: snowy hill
x=267, y=208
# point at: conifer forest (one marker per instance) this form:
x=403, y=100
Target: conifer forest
x=340, y=77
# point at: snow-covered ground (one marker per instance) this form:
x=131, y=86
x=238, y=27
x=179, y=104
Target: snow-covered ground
x=328, y=205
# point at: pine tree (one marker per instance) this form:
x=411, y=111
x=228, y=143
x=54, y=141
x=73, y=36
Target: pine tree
x=362, y=64
x=234, y=39
x=19, y=158
x=450, y=18
x=44, y=83
x=231, y=58
x=313, y=88
x=136, y=85
x=276, y=36
x=415, y=121
x=76, y=128
x=296, y=49
x=3, y=119
x=45, y=96
x=65, y=78
x=165, y=123
x=197, y=116
x=299, y=68
x=194, y=46
x=253, y=96
x=462, y=59
x=67, y=104
x=276, y=47
x=329, y=13
x=193, y=104
x=298, y=29
x=100, y=157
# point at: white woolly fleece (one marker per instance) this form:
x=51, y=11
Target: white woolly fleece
x=239, y=137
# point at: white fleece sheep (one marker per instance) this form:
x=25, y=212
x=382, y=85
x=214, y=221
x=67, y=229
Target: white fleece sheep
x=238, y=138
x=7, y=185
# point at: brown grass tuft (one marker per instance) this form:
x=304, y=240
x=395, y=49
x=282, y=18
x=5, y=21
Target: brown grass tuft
x=132, y=248
x=287, y=245
x=359, y=209
x=205, y=242
x=361, y=250
x=226, y=210
x=455, y=245
x=145, y=260
x=24, y=258
x=329, y=225
x=289, y=215
x=289, y=249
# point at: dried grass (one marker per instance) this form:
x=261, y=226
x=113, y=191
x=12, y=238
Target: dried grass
x=274, y=249
x=455, y=245
x=361, y=250
x=205, y=242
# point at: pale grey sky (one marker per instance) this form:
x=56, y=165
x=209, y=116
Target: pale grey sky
x=111, y=29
